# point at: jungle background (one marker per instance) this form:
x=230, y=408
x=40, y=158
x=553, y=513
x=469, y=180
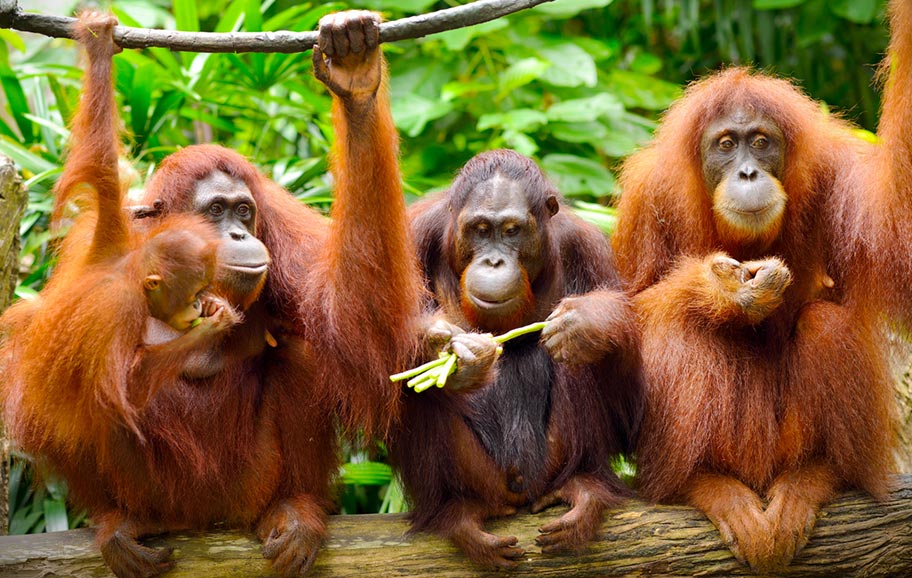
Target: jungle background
x=576, y=84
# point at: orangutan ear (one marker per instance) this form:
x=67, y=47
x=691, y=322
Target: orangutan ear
x=553, y=205
x=152, y=282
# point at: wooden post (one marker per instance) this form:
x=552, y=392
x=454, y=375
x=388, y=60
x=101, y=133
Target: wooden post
x=855, y=536
x=13, y=198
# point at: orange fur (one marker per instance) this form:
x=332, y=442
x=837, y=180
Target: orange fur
x=756, y=385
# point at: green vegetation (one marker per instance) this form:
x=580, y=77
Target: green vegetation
x=577, y=84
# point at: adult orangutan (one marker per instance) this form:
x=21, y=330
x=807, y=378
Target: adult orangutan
x=762, y=239
x=242, y=431
x=499, y=251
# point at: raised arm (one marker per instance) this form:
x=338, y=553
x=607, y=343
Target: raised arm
x=91, y=172
x=881, y=189
x=371, y=295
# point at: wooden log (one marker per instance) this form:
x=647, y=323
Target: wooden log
x=13, y=198
x=855, y=536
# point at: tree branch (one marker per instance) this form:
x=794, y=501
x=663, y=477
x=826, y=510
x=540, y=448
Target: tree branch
x=279, y=41
x=855, y=536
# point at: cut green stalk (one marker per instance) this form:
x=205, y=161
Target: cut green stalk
x=448, y=368
x=437, y=371
x=428, y=382
x=417, y=370
x=514, y=333
x=422, y=376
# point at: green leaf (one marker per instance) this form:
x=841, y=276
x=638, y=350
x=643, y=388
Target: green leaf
x=457, y=40
x=23, y=292
x=50, y=125
x=571, y=65
x=605, y=218
x=18, y=104
x=394, y=499
x=599, y=48
x=646, y=63
x=521, y=73
x=576, y=176
x=185, y=16
x=25, y=521
x=866, y=135
x=403, y=6
x=413, y=112
x=144, y=82
x=857, y=11
x=776, y=4
x=168, y=103
x=642, y=91
x=24, y=157
x=231, y=18
x=366, y=473
x=624, y=135
x=569, y=8
x=520, y=142
x=302, y=17
x=455, y=90
x=520, y=119
x=578, y=132
x=14, y=39
x=586, y=109
x=55, y=515
x=60, y=98
x=164, y=56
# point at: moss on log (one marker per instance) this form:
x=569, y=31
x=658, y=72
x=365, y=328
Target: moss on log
x=855, y=536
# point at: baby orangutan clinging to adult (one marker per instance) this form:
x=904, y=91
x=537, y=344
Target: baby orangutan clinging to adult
x=179, y=261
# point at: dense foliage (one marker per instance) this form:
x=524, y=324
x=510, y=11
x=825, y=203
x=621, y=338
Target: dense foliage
x=577, y=84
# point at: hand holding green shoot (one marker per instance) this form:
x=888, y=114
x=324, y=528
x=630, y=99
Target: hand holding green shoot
x=437, y=371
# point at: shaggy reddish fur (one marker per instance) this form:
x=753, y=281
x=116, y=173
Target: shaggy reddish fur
x=761, y=420
x=256, y=442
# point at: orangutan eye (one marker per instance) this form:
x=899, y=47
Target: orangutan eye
x=243, y=210
x=511, y=231
x=216, y=209
x=483, y=229
x=726, y=143
x=760, y=142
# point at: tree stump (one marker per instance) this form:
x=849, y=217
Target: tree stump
x=13, y=199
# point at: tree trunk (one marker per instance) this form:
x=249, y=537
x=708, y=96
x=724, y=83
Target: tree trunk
x=855, y=536
x=13, y=199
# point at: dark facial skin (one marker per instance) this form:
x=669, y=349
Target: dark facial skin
x=743, y=162
x=498, y=241
x=243, y=259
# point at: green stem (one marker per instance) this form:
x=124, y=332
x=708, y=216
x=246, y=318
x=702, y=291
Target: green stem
x=426, y=384
x=418, y=370
x=514, y=333
x=448, y=368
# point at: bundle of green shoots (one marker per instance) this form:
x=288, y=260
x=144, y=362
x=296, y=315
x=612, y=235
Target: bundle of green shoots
x=436, y=372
